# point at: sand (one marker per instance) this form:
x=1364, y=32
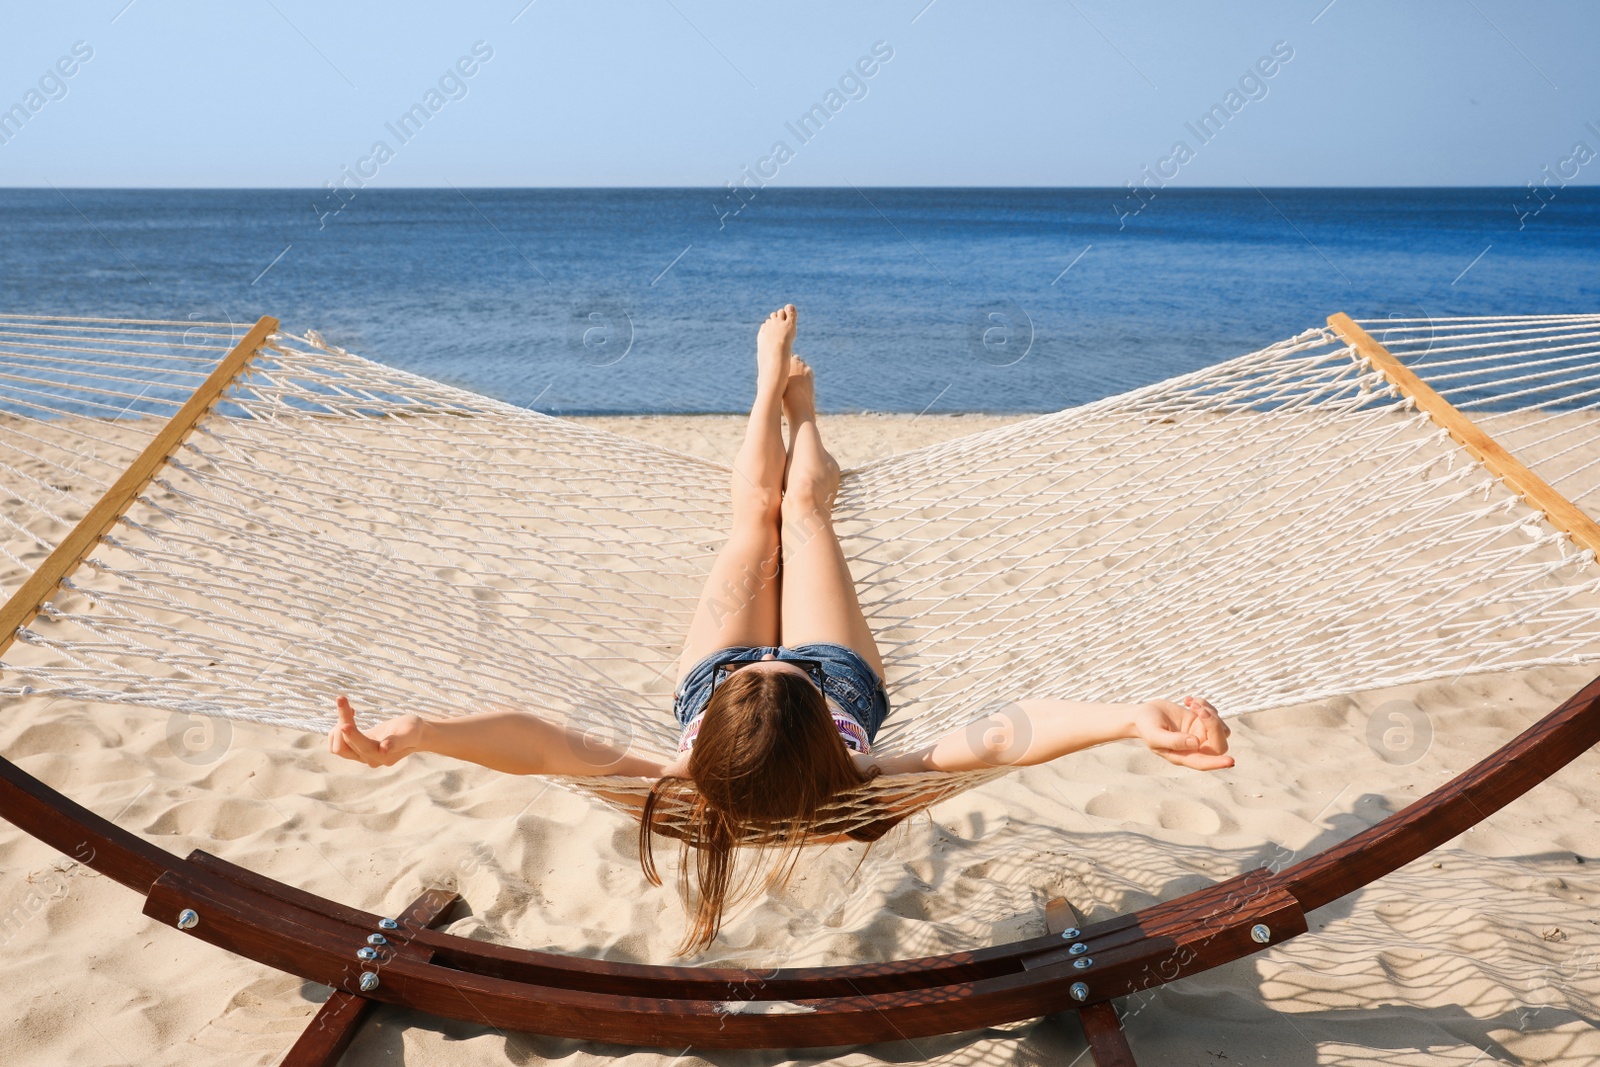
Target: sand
x=1483, y=951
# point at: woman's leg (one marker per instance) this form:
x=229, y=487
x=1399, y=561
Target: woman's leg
x=819, y=595
x=739, y=605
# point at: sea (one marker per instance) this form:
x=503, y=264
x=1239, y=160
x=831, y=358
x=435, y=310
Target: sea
x=625, y=301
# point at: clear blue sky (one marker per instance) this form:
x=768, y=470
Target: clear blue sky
x=687, y=92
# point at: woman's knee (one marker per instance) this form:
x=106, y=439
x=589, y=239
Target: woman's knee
x=758, y=503
x=809, y=494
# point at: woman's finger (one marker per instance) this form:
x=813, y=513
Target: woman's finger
x=1174, y=740
x=363, y=746
x=358, y=742
x=1199, y=761
x=339, y=703
x=1210, y=725
x=346, y=738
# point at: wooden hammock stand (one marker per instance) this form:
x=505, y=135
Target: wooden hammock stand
x=366, y=958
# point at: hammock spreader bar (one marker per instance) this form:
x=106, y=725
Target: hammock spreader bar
x=24, y=604
x=1562, y=513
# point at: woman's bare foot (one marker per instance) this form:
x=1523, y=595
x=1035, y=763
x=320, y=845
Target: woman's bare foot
x=809, y=461
x=774, y=347
x=799, y=392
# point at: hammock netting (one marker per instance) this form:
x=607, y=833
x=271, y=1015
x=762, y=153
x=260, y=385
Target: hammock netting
x=1277, y=528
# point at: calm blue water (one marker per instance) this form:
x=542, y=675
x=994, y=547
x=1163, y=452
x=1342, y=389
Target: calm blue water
x=582, y=301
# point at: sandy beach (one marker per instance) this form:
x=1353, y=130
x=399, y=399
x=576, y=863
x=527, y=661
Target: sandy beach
x=1481, y=952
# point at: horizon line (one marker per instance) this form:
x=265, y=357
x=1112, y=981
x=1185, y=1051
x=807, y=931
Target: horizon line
x=766, y=188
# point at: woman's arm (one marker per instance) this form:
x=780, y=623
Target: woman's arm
x=1027, y=732
x=516, y=742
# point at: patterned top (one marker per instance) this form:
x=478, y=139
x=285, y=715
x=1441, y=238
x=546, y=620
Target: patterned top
x=851, y=732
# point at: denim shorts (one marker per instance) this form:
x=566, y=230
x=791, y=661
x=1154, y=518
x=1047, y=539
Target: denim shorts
x=846, y=678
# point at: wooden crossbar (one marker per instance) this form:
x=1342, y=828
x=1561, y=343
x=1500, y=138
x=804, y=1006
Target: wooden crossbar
x=1102, y=1027
x=333, y=1028
x=70, y=552
x=1563, y=514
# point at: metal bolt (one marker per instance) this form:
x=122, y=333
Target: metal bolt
x=1083, y=962
x=388, y=924
x=1261, y=933
x=1079, y=991
x=369, y=981
x=1069, y=933
x=1079, y=949
x=188, y=919
x=377, y=939
x=365, y=953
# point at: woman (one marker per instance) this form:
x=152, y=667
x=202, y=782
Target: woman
x=780, y=686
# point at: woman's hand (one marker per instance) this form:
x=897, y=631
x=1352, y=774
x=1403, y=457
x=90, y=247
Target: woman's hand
x=388, y=744
x=1190, y=734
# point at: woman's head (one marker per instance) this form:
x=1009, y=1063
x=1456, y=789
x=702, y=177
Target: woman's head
x=767, y=752
x=766, y=761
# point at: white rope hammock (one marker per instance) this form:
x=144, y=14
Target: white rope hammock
x=1278, y=528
